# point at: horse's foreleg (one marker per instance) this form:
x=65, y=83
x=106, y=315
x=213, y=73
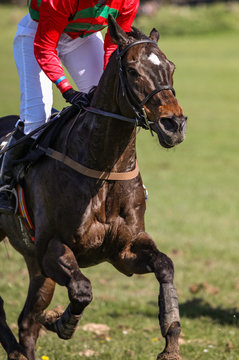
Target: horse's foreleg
x=39, y=296
x=59, y=263
x=8, y=340
x=168, y=308
x=140, y=257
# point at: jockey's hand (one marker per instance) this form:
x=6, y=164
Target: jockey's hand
x=77, y=98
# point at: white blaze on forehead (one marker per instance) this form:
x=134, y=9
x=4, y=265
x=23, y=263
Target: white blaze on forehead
x=154, y=59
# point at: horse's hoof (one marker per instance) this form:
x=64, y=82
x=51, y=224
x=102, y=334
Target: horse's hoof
x=169, y=356
x=49, y=317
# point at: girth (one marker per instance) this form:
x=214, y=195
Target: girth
x=101, y=175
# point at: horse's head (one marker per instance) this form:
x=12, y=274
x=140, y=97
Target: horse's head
x=146, y=79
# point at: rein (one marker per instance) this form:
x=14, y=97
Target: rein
x=37, y=130
x=98, y=111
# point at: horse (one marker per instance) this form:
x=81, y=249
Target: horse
x=87, y=201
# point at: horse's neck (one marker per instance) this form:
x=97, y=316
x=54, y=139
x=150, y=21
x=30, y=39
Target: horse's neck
x=109, y=144
x=112, y=145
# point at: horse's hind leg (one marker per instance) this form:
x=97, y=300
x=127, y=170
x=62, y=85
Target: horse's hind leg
x=140, y=257
x=39, y=296
x=8, y=340
x=59, y=264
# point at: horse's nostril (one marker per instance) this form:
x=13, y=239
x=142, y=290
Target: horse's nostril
x=169, y=124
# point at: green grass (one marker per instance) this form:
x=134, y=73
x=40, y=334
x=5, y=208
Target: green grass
x=186, y=20
x=192, y=214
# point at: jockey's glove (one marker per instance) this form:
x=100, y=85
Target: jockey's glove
x=77, y=98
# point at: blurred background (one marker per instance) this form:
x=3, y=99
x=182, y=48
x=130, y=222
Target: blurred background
x=193, y=206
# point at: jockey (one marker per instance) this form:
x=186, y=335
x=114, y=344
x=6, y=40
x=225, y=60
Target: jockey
x=57, y=32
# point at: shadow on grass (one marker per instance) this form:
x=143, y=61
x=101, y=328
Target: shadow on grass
x=193, y=309
x=198, y=307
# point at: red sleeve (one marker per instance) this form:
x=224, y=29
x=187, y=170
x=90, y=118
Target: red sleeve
x=125, y=19
x=54, y=16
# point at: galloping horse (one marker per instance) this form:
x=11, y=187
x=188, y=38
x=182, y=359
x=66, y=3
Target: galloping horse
x=82, y=219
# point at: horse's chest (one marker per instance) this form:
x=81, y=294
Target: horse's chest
x=98, y=228
x=110, y=215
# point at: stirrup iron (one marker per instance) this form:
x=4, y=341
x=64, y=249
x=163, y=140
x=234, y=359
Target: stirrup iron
x=13, y=191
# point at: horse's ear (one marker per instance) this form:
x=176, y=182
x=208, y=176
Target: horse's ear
x=154, y=35
x=118, y=36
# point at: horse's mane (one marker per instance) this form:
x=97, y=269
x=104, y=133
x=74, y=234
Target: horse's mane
x=136, y=34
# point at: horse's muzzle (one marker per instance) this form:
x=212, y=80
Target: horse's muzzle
x=170, y=130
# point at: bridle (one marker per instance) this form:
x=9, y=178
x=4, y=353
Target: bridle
x=127, y=92
x=141, y=118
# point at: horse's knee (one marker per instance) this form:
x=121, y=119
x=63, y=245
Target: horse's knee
x=164, y=269
x=152, y=259
x=27, y=327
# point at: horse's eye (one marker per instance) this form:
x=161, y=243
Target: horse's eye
x=132, y=72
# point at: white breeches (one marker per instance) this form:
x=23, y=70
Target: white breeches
x=82, y=57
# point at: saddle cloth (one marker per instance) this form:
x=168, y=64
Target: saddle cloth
x=23, y=212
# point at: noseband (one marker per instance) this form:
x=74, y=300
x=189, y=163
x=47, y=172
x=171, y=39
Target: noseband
x=141, y=116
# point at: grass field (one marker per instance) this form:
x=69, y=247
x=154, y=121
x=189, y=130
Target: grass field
x=192, y=214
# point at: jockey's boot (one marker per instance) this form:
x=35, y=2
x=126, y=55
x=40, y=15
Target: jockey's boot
x=7, y=199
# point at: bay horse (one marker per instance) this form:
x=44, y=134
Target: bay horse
x=83, y=219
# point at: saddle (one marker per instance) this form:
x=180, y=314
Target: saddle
x=33, y=151
x=35, y=147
